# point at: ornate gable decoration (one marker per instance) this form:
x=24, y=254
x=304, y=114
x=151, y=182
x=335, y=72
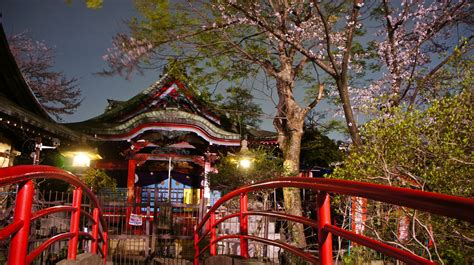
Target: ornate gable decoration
x=171, y=96
x=164, y=106
x=177, y=96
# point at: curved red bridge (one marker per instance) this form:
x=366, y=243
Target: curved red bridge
x=440, y=204
x=19, y=229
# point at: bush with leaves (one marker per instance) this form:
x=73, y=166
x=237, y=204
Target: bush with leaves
x=429, y=150
x=97, y=179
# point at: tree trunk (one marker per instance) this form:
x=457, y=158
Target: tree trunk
x=348, y=114
x=292, y=198
x=290, y=131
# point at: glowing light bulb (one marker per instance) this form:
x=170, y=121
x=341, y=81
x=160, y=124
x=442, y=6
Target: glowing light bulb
x=244, y=163
x=81, y=160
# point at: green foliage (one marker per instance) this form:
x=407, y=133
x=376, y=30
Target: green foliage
x=241, y=108
x=97, y=179
x=429, y=150
x=423, y=149
x=317, y=149
x=455, y=76
x=174, y=27
x=264, y=165
x=92, y=4
x=359, y=255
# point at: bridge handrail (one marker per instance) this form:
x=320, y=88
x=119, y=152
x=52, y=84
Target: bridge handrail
x=19, y=228
x=440, y=204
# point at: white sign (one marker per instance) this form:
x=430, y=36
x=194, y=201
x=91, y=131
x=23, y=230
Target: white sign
x=135, y=220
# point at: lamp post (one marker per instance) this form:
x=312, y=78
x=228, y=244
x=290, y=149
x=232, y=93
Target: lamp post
x=244, y=162
x=80, y=158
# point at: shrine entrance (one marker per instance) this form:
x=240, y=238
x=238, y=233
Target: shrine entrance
x=159, y=147
x=158, y=231
x=152, y=220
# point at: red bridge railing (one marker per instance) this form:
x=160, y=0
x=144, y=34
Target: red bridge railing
x=19, y=229
x=440, y=204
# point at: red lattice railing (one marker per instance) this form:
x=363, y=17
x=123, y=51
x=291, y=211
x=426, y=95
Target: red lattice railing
x=19, y=229
x=440, y=204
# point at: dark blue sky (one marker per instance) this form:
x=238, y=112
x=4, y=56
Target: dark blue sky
x=80, y=37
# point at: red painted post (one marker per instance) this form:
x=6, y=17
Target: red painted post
x=196, y=246
x=324, y=237
x=95, y=231
x=19, y=243
x=138, y=200
x=138, y=210
x=105, y=246
x=130, y=189
x=244, y=243
x=213, y=247
x=74, y=226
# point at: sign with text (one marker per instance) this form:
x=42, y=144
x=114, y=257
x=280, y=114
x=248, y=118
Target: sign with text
x=135, y=220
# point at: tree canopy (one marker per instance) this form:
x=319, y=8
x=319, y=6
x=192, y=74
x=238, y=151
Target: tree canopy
x=423, y=149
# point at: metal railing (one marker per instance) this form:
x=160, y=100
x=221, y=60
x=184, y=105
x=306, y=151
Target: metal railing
x=164, y=231
x=440, y=204
x=19, y=229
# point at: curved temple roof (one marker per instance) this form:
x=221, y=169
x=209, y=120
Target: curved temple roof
x=167, y=120
x=164, y=106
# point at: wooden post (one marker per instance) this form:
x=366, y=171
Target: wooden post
x=105, y=246
x=212, y=221
x=74, y=226
x=95, y=231
x=196, y=246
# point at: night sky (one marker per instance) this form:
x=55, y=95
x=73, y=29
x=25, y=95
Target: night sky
x=80, y=37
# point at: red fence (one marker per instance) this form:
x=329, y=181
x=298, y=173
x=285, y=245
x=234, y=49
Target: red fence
x=19, y=228
x=440, y=204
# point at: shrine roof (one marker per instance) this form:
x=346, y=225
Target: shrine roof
x=166, y=105
x=259, y=136
x=166, y=93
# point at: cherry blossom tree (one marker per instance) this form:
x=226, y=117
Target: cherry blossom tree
x=295, y=42
x=417, y=39
x=58, y=94
x=322, y=32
